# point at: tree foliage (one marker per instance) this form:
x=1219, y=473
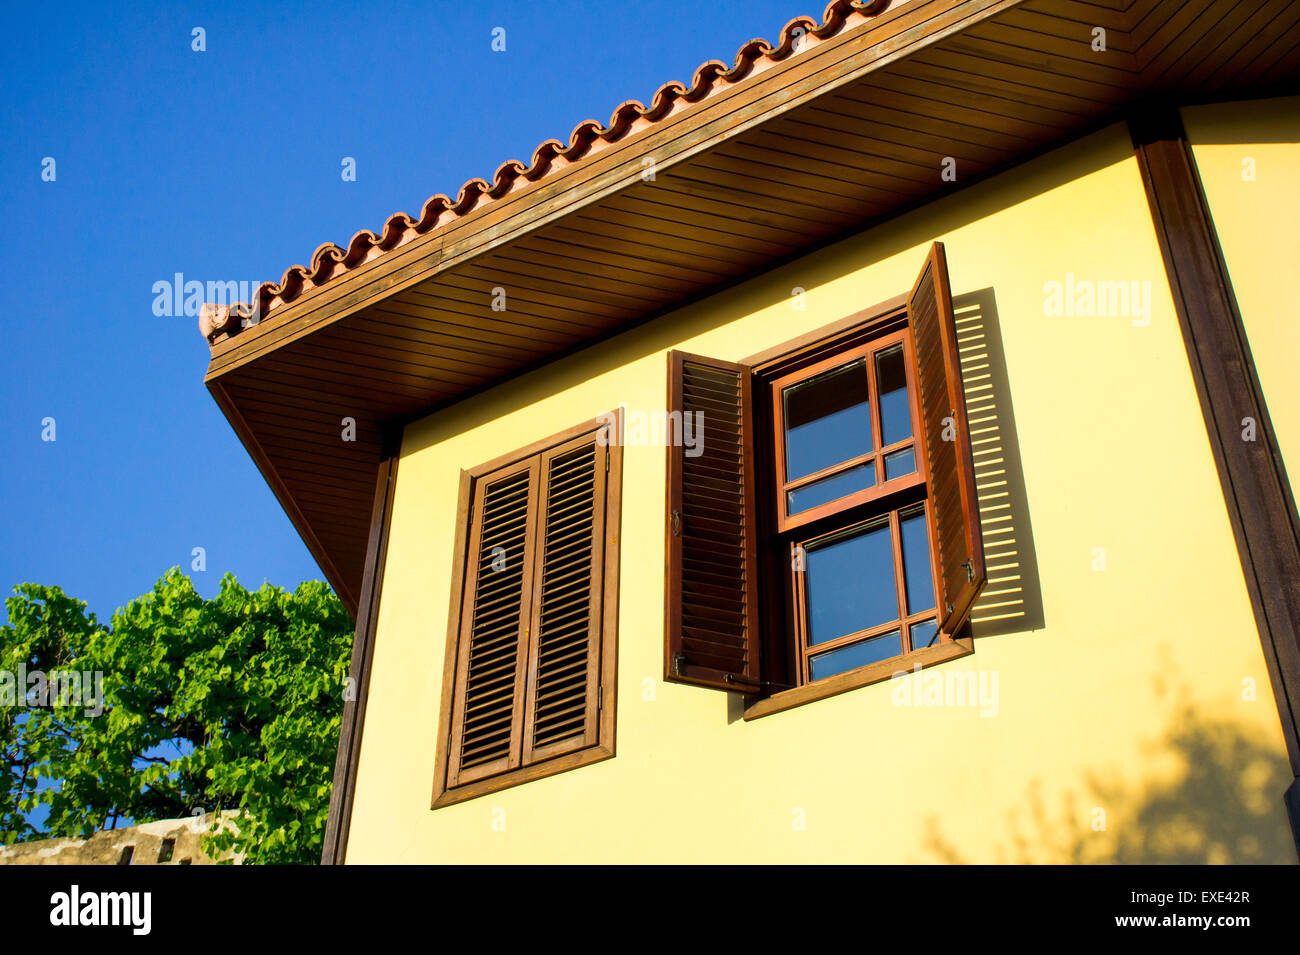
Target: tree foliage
x=232, y=703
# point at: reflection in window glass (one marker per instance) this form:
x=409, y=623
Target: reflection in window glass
x=916, y=561
x=827, y=420
x=899, y=463
x=924, y=634
x=832, y=488
x=850, y=583
x=891, y=380
x=856, y=655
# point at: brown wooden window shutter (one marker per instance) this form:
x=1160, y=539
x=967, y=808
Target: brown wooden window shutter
x=955, y=530
x=488, y=725
x=564, y=657
x=711, y=606
x=530, y=655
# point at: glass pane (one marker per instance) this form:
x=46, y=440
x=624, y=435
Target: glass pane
x=899, y=463
x=916, y=561
x=850, y=583
x=924, y=634
x=831, y=488
x=856, y=655
x=891, y=379
x=827, y=420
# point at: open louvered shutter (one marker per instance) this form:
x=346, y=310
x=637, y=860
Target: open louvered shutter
x=711, y=611
x=954, y=508
x=487, y=728
x=564, y=650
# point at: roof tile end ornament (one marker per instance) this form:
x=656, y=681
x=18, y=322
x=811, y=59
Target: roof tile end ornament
x=215, y=319
x=330, y=260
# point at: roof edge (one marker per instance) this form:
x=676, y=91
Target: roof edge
x=330, y=260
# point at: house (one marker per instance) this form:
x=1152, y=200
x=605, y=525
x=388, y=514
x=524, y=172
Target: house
x=872, y=450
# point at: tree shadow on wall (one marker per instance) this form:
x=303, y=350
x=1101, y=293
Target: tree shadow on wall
x=1223, y=804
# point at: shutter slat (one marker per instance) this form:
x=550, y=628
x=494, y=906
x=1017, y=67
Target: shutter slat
x=711, y=604
x=955, y=534
x=561, y=669
x=488, y=720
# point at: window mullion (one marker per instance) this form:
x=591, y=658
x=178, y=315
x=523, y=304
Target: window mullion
x=798, y=566
x=831, y=471
x=900, y=580
x=848, y=639
x=873, y=410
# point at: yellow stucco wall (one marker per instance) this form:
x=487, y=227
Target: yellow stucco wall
x=1130, y=698
x=1248, y=155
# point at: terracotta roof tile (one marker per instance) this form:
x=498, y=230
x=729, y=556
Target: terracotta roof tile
x=589, y=136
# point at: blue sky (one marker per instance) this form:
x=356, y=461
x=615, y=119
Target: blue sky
x=224, y=165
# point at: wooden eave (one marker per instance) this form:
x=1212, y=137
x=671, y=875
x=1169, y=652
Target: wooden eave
x=847, y=132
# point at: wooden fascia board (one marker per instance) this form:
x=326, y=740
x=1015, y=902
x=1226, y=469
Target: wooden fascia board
x=783, y=87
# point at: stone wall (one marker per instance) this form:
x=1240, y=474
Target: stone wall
x=166, y=842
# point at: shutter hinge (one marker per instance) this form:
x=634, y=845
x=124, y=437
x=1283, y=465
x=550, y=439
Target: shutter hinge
x=679, y=659
x=731, y=678
x=677, y=523
x=970, y=569
x=606, y=459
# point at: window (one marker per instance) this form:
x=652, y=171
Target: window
x=845, y=431
x=528, y=684
x=851, y=510
x=827, y=534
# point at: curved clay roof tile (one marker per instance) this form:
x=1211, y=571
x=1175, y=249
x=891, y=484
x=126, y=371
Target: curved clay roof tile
x=330, y=260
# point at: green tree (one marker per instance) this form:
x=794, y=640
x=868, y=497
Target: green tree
x=232, y=703
x=47, y=631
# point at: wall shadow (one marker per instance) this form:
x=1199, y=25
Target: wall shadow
x=1012, y=600
x=1222, y=805
x=809, y=269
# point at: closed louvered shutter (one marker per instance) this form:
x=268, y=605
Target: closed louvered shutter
x=711, y=607
x=564, y=654
x=529, y=644
x=955, y=526
x=488, y=717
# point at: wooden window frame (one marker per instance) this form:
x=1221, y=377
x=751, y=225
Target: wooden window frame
x=785, y=521
x=797, y=592
x=785, y=651
x=447, y=790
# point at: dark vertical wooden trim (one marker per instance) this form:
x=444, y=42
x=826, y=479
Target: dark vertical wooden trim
x=363, y=645
x=1254, y=485
x=1292, y=799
